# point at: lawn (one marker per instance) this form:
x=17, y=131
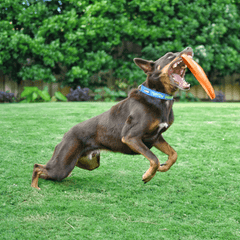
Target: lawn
x=197, y=199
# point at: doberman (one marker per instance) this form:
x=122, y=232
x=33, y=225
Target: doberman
x=133, y=126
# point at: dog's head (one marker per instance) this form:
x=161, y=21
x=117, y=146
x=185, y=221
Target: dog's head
x=167, y=73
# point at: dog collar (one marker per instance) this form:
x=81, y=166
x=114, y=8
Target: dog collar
x=155, y=94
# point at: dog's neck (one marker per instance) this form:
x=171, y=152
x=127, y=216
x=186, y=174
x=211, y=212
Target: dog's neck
x=160, y=84
x=154, y=93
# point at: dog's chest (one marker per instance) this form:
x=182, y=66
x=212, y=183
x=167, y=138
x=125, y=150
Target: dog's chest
x=164, y=119
x=162, y=125
x=158, y=126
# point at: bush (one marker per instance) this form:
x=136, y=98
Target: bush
x=33, y=94
x=78, y=39
x=220, y=97
x=79, y=94
x=59, y=96
x=187, y=97
x=6, y=97
x=108, y=95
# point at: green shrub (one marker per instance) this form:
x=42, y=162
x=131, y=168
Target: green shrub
x=59, y=96
x=33, y=94
x=108, y=95
x=187, y=97
x=79, y=39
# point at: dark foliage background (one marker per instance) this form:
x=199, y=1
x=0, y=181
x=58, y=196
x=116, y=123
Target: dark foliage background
x=92, y=43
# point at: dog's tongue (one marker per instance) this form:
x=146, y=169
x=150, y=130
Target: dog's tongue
x=181, y=82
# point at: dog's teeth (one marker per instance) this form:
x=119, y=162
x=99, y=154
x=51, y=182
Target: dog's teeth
x=185, y=84
x=175, y=65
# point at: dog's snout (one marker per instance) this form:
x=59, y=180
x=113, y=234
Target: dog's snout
x=188, y=49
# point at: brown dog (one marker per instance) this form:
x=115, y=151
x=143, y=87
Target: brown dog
x=133, y=126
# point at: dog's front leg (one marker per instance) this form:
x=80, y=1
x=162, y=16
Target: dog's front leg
x=138, y=146
x=164, y=147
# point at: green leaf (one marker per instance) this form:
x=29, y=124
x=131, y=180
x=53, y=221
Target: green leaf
x=29, y=98
x=44, y=95
x=98, y=90
x=97, y=97
x=34, y=96
x=60, y=96
x=122, y=94
x=28, y=91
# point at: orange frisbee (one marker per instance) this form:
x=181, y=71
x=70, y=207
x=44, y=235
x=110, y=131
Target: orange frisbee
x=199, y=74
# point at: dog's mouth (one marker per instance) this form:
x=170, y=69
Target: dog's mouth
x=176, y=72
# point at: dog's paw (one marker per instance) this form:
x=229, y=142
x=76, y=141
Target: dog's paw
x=147, y=177
x=163, y=168
x=35, y=186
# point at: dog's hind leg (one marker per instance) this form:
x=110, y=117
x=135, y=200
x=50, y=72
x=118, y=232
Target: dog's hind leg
x=39, y=170
x=61, y=164
x=164, y=147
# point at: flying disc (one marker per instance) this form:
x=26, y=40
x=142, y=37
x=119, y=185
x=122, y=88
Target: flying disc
x=199, y=74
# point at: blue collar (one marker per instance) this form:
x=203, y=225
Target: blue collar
x=155, y=94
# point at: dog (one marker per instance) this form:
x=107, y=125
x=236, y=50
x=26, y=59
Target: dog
x=133, y=126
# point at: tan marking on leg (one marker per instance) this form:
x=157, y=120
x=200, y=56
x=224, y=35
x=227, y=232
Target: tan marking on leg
x=35, y=176
x=138, y=146
x=164, y=147
x=39, y=170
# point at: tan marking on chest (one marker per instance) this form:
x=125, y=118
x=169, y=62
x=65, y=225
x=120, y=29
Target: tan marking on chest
x=154, y=125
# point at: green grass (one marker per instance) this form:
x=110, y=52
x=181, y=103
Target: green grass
x=197, y=199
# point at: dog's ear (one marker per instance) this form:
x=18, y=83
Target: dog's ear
x=145, y=65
